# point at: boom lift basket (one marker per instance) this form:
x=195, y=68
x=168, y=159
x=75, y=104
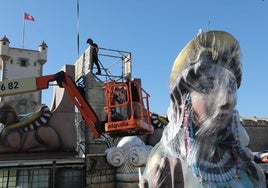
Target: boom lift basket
x=127, y=107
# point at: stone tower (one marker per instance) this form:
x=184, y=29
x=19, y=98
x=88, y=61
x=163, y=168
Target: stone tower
x=20, y=63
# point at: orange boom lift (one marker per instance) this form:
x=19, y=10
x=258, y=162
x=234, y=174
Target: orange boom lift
x=120, y=97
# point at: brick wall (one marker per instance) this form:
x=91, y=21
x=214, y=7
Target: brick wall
x=99, y=174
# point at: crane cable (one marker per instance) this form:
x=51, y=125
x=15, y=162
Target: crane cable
x=77, y=10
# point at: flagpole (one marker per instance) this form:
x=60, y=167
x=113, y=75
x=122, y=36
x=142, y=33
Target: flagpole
x=23, y=30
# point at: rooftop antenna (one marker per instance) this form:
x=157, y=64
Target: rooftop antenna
x=208, y=25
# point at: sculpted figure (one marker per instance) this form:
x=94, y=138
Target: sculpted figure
x=31, y=133
x=204, y=144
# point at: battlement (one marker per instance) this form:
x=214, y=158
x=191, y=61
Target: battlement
x=257, y=129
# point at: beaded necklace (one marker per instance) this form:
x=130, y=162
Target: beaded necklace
x=188, y=124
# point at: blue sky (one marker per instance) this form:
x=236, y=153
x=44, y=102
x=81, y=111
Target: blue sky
x=153, y=30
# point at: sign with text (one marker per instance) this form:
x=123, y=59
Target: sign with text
x=22, y=85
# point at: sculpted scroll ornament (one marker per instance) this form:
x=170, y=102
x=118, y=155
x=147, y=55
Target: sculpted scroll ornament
x=130, y=154
x=115, y=156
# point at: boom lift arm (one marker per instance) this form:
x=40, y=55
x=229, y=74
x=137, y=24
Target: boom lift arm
x=25, y=85
x=137, y=119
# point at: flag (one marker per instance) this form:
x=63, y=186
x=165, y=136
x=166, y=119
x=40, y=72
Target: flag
x=28, y=17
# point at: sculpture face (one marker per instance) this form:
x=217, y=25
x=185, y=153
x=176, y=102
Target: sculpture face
x=213, y=95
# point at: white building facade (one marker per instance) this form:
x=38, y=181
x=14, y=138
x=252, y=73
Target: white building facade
x=22, y=63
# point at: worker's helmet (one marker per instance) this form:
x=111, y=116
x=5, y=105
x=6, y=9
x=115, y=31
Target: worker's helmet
x=215, y=47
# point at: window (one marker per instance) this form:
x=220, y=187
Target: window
x=24, y=62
